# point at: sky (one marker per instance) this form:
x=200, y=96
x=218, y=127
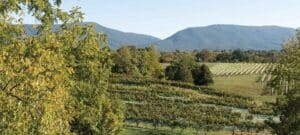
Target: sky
x=162, y=18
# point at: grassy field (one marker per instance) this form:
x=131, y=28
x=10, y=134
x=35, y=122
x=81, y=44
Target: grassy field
x=246, y=85
x=241, y=78
x=241, y=84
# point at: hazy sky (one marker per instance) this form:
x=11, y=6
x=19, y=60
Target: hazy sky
x=161, y=18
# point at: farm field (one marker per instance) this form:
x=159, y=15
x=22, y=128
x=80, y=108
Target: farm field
x=236, y=69
x=231, y=69
x=247, y=79
x=160, y=102
x=247, y=85
x=242, y=84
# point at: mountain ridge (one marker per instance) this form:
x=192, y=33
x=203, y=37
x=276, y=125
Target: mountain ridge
x=228, y=36
x=211, y=37
x=116, y=38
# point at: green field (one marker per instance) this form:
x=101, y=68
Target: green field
x=241, y=84
x=230, y=100
x=231, y=69
x=160, y=104
x=248, y=79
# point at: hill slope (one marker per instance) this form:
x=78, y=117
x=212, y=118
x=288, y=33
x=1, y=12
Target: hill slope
x=118, y=38
x=115, y=38
x=228, y=37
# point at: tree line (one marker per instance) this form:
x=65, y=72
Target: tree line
x=134, y=61
x=237, y=55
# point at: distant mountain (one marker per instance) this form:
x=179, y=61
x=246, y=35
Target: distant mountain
x=227, y=37
x=213, y=37
x=115, y=38
x=118, y=38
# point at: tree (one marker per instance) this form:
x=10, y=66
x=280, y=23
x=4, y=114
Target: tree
x=142, y=61
x=183, y=74
x=224, y=57
x=205, y=56
x=124, y=61
x=54, y=78
x=34, y=75
x=155, y=66
x=286, y=83
x=289, y=111
x=180, y=70
x=239, y=55
x=91, y=64
x=202, y=75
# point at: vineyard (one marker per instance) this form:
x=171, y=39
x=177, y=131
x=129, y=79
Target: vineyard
x=229, y=69
x=161, y=103
x=235, y=69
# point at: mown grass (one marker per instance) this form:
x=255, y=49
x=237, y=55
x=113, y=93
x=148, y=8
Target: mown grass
x=241, y=84
x=245, y=85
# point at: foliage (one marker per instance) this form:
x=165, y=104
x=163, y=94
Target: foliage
x=55, y=78
x=252, y=56
x=124, y=62
x=180, y=70
x=202, y=75
x=286, y=82
x=238, y=56
x=289, y=111
x=136, y=62
x=205, y=56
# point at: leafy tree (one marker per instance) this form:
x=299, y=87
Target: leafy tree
x=56, y=78
x=124, y=61
x=34, y=75
x=289, y=111
x=180, y=70
x=205, y=56
x=224, y=57
x=202, y=75
x=142, y=61
x=183, y=74
x=155, y=66
x=286, y=82
x=238, y=55
x=94, y=111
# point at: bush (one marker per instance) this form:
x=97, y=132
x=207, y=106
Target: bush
x=202, y=75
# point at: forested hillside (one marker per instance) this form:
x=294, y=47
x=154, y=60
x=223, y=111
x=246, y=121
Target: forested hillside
x=116, y=38
x=226, y=37
x=214, y=37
